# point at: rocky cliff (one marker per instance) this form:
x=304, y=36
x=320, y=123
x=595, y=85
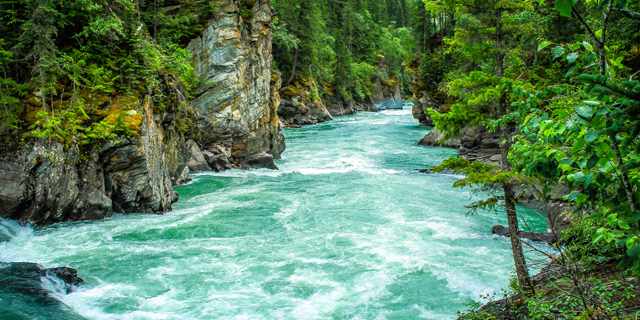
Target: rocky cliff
x=236, y=117
x=45, y=181
x=232, y=123
x=301, y=104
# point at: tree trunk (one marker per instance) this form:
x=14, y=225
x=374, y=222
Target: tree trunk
x=293, y=69
x=509, y=200
x=516, y=243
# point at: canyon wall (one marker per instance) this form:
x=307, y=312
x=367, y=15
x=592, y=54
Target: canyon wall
x=232, y=123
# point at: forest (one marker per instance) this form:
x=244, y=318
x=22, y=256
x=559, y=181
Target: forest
x=559, y=80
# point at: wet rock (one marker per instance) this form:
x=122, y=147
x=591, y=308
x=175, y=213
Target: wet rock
x=198, y=162
x=66, y=274
x=548, y=237
x=436, y=138
x=430, y=171
x=262, y=160
x=24, y=293
x=300, y=105
x=337, y=106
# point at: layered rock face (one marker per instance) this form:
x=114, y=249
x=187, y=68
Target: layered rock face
x=388, y=93
x=236, y=118
x=423, y=101
x=45, y=182
x=300, y=104
x=235, y=125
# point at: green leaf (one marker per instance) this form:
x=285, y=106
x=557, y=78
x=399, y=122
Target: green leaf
x=623, y=225
x=634, y=252
x=636, y=216
x=558, y=52
x=543, y=44
x=585, y=112
x=573, y=196
x=571, y=57
x=587, y=46
x=599, y=32
x=588, y=179
x=564, y=7
x=570, y=71
x=593, y=161
x=578, y=145
x=592, y=135
x=579, y=176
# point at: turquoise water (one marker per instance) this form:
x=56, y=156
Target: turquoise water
x=346, y=229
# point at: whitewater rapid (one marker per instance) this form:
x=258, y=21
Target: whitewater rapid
x=346, y=229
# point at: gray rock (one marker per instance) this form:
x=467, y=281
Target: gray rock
x=239, y=112
x=436, y=138
x=548, y=237
x=198, y=162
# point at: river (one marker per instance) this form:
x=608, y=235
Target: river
x=346, y=229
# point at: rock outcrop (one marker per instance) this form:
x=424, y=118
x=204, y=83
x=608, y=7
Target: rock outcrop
x=435, y=138
x=424, y=98
x=23, y=293
x=232, y=123
x=236, y=118
x=387, y=93
x=44, y=181
x=479, y=144
x=548, y=237
x=301, y=104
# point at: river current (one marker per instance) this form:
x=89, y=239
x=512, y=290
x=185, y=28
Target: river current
x=346, y=229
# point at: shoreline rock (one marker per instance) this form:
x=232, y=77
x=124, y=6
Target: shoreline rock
x=548, y=237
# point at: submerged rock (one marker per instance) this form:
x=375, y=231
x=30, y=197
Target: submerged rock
x=27, y=291
x=548, y=237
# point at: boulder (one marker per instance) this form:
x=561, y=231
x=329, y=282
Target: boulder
x=548, y=237
x=436, y=138
x=24, y=295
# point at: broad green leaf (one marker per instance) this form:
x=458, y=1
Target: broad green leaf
x=623, y=225
x=585, y=112
x=564, y=7
x=592, y=135
x=588, y=179
x=543, y=44
x=570, y=71
x=578, y=145
x=636, y=216
x=582, y=198
x=587, y=46
x=599, y=33
x=558, y=52
x=573, y=196
x=579, y=176
x=571, y=57
x=589, y=57
x=634, y=252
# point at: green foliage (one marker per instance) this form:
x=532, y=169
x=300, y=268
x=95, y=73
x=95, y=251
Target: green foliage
x=340, y=42
x=56, y=52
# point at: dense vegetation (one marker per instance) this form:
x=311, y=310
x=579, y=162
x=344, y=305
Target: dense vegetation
x=340, y=43
x=559, y=80
x=66, y=59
